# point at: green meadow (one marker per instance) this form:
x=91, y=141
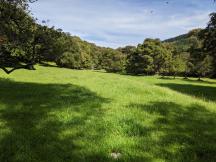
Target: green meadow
x=61, y=115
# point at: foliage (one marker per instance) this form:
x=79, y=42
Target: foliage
x=112, y=60
x=46, y=43
x=209, y=39
x=16, y=30
x=79, y=54
x=204, y=67
x=127, y=50
x=151, y=57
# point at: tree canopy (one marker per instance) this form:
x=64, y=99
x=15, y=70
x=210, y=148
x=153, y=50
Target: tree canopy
x=17, y=30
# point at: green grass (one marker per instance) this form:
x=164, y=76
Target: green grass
x=62, y=115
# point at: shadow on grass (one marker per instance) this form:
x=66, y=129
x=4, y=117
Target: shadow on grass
x=167, y=78
x=47, y=122
x=203, y=92
x=199, y=81
x=188, y=80
x=178, y=133
x=48, y=64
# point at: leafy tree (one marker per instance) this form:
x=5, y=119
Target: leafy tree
x=70, y=60
x=151, y=57
x=83, y=55
x=188, y=65
x=204, y=67
x=46, y=43
x=16, y=30
x=71, y=53
x=139, y=63
x=210, y=41
x=112, y=60
x=177, y=65
x=200, y=59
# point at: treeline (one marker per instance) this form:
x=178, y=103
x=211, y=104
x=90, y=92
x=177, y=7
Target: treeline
x=75, y=53
x=189, y=55
x=24, y=43
x=186, y=55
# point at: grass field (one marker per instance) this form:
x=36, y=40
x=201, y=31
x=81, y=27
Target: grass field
x=62, y=115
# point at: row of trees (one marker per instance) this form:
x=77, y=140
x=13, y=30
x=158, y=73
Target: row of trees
x=78, y=54
x=192, y=54
x=189, y=55
x=24, y=43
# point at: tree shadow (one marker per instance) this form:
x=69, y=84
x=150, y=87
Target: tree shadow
x=166, y=78
x=188, y=80
x=203, y=92
x=45, y=64
x=47, y=122
x=178, y=133
x=199, y=81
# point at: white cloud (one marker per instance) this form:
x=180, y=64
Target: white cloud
x=116, y=23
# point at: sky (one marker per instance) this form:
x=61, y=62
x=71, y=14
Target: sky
x=117, y=23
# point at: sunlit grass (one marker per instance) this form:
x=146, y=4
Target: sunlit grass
x=60, y=115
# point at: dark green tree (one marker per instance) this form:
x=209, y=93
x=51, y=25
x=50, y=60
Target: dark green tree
x=209, y=40
x=177, y=66
x=16, y=33
x=202, y=62
x=112, y=60
x=151, y=57
x=46, y=44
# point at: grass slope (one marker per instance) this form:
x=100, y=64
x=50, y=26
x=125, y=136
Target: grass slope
x=61, y=115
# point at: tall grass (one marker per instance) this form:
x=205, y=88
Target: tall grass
x=61, y=115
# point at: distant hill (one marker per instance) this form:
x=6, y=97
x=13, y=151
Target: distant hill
x=183, y=42
x=177, y=38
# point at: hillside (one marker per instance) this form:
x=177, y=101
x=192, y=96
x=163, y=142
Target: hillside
x=55, y=114
x=183, y=42
x=177, y=38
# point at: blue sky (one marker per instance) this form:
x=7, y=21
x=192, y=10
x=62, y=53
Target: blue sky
x=115, y=23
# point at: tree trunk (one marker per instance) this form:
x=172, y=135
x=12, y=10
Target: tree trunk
x=199, y=79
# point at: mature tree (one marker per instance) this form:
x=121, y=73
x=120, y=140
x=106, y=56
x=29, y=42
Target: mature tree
x=139, y=63
x=71, y=53
x=210, y=41
x=187, y=65
x=177, y=65
x=16, y=33
x=202, y=62
x=70, y=60
x=112, y=60
x=76, y=54
x=204, y=67
x=151, y=57
x=161, y=55
x=46, y=43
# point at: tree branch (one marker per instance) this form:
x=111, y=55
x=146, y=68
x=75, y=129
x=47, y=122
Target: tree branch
x=28, y=67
